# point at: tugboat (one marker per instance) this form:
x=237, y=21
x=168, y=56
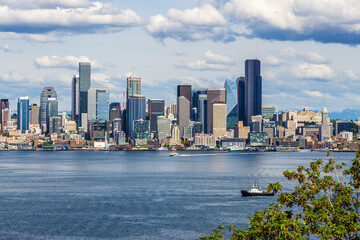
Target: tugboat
x=255, y=191
x=173, y=154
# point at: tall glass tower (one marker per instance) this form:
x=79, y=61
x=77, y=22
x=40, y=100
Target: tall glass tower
x=135, y=111
x=47, y=92
x=98, y=103
x=52, y=110
x=253, y=89
x=231, y=103
x=23, y=114
x=84, y=85
x=75, y=99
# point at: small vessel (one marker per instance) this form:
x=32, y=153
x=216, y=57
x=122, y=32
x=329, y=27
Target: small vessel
x=173, y=154
x=255, y=191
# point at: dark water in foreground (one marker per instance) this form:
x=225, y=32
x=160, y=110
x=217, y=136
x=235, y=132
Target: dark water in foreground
x=134, y=195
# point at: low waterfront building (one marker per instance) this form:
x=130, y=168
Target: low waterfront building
x=207, y=140
x=258, y=138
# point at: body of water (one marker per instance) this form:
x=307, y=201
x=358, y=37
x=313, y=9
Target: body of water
x=135, y=195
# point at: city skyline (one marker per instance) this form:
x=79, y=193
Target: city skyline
x=167, y=44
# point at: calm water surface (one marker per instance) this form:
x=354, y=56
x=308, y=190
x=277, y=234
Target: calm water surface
x=134, y=195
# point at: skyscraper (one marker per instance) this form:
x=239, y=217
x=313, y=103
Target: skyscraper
x=183, y=106
x=240, y=99
x=75, y=99
x=136, y=110
x=156, y=108
x=84, y=85
x=4, y=103
x=34, y=114
x=231, y=103
x=253, y=89
x=325, y=130
x=200, y=103
x=98, y=103
x=133, y=86
x=47, y=92
x=23, y=114
x=219, y=119
x=215, y=95
x=52, y=109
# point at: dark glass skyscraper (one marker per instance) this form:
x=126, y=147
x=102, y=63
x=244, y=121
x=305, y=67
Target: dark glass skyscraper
x=156, y=108
x=231, y=103
x=135, y=111
x=84, y=85
x=75, y=99
x=241, y=99
x=199, y=102
x=47, y=92
x=253, y=89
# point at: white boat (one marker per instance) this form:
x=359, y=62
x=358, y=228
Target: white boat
x=255, y=191
x=173, y=154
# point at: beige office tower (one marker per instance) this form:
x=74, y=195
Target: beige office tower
x=175, y=136
x=34, y=114
x=241, y=131
x=214, y=95
x=219, y=119
x=183, y=113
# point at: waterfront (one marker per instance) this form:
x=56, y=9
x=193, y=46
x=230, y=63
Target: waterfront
x=134, y=195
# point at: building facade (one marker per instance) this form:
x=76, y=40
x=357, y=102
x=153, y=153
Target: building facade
x=253, y=89
x=84, y=85
x=231, y=103
x=34, y=114
x=156, y=108
x=136, y=110
x=214, y=95
x=98, y=103
x=46, y=94
x=23, y=114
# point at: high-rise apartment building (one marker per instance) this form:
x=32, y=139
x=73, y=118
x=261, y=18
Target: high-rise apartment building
x=253, y=89
x=231, y=103
x=156, y=108
x=98, y=103
x=214, y=95
x=75, y=97
x=23, y=114
x=268, y=111
x=47, y=92
x=84, y=85
x=34, y=114
x=240, y=82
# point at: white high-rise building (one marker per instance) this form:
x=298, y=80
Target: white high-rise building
x=325, y=126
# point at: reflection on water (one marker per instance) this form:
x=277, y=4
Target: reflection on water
x=134, y=195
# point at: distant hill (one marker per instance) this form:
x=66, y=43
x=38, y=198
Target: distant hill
x=347, y=114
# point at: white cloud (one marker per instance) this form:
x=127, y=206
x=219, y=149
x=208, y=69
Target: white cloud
x=314, y=93
x=18, y=78
x=213, y=58
x=313, y=71
x=70, y=62
x=199, y=23
x=325, y=21
x=29, y=37
x=287, y=52
x=212, y=62
x=312, y=57
x=7, y=48
x=273, y=61
x=64, y=16
x=351, y=75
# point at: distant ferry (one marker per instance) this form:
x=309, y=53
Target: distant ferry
x=255, y=191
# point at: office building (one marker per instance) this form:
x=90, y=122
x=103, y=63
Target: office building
x=141, y=129
x=342, y=125
x=116, y=126
x=155, y=108
x=98, y=103
x=205, y=140
x=240, y=82
x=183, y=107
x=136, y=110
x=200, y=103
x=51, y=111
x=256, y=123
x=253, y=89
x=241, y=131
x=23, y=114
x=75, y=99
x=219, y=119
x=119, y=138
x=54, y=125
x=214, y=95
x=46, y=94
x=172, y=109
x=84, y=85
x=183, y=118
x=163, y=127
x=34, y=114
x=99, y=130
x=5, y=118
x=258, y=138
x=133, y=86
x=268, y=111
x=231, y=103
x=4, y=104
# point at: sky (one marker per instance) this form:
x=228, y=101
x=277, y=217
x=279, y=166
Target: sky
x=309, y=50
